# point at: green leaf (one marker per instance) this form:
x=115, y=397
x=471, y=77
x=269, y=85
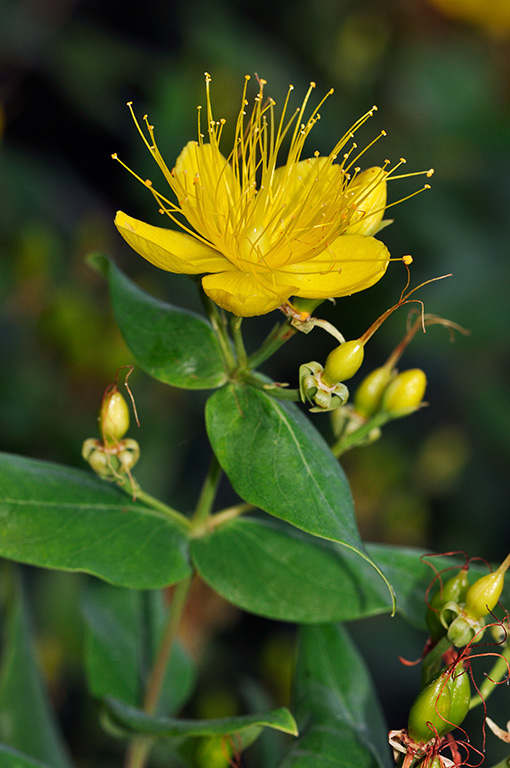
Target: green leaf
x=307, y=579
x=27, y=721
x=56, y=517
x=269, y=568
x=124, y=629
x=337, y=711
x=171, y=344
x=11, y=758
x=276, y=460
x=133, y=720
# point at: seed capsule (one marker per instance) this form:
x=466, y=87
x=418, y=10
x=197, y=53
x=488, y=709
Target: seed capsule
x=460, y=695
x=405, y=392
x=430, y=712
x=483, y=595
x=343, y=362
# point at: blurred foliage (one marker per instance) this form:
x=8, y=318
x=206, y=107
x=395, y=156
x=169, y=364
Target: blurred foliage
x=441, y=83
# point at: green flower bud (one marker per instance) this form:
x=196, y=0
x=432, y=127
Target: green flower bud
x=453, y=591
x=483, y=595
x=405, y=393
x=430, y=712
x=441, y=706
x=368, y=190
x=113, y=417
x=343, y=362
x=368, y=396
x=460, y=695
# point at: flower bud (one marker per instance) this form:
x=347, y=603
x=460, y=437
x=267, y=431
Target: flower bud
x=343, y=362
x=430, y=712
x=368, y=396
x=405, y=393
x=113, y=417
x=460, y=695
x=483, y=595
x=368, y=191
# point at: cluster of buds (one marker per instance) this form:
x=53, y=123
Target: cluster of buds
x=456, y=616
x=113, y=456
x=458, y=610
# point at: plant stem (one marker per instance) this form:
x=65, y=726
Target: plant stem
x=139, y=748
x=235, y=325
x=135, y=491
x=278, y=391
x=497, y=673
x=344, y=443
x=207, y=495
x=278, y=336
x=230, y=513
x=219, y=329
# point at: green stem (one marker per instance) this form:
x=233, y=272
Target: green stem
x=278, y=336
x=235, y=325
x=344, y=443
x=207, y=495
x=218, y=324
x=228, y=514
x=497, y=673
x=273, y=389
x=134, y=490
x=139, y=749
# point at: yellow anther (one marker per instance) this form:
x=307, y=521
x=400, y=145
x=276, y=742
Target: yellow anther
x=407, y=260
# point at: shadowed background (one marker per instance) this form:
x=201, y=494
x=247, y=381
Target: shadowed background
x=436, y=480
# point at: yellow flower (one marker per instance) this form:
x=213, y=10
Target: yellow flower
x=259, y=233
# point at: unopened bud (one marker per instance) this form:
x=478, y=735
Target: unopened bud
x=405, y=393
x=343, y=362
x=483, y=595
x=368, y=396
x=113, y=417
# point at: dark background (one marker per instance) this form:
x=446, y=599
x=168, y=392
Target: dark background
x=436, y=480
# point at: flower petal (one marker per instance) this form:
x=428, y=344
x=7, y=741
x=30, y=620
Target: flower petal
x=245, y=294
x=206, y=187
x=166, y=249
x=351, y=263
x=367, y=197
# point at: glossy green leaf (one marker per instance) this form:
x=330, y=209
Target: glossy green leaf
x=27, y=721
x=56, y=517
x=276, y=460
x=336, y=706
x=132, y=720
x=306, y=579
x=272, y=569
x=11, y=758
x=124, y=630
x=171, y=344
